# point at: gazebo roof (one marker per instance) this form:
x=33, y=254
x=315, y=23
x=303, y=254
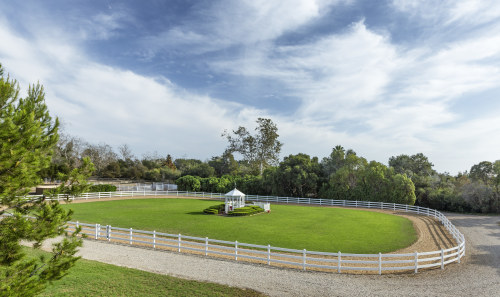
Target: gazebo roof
x=235, y=193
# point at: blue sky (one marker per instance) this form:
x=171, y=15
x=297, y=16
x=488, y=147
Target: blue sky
x=381, y=77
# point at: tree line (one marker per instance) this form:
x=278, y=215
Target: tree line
x=342, y=175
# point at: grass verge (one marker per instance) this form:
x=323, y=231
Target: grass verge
x=91, y=278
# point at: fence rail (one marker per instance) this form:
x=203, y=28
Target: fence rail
x=267, y=254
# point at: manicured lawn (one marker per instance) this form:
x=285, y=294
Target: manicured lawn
x=91, y=278
x=298, y=227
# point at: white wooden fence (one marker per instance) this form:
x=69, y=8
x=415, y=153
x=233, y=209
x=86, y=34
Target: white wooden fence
x=267, y=254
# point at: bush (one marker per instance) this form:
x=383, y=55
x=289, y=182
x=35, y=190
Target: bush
x=214, y=209
x=246, y=211
x=102, y=188
x=211, y=211
x=188, y=183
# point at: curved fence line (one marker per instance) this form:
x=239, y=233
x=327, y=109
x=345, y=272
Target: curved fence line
x=268, y=254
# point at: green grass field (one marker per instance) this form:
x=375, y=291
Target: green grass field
x=290, y=226
x=91, y=278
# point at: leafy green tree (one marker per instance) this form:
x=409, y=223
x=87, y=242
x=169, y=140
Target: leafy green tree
x=260, y=150
x=419, y=169
x=401, y=190
x=496, y=170
x=225, y=164
x=356, y=179
x=201, y=170
x=188, y=183
x=297, y=175
x=417, y=164
x=28, y=136
x=484, y=172
x=342, y=182
x=185, y=164
x=169, y=174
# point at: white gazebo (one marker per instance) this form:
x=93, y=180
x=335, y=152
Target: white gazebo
x=234, y=199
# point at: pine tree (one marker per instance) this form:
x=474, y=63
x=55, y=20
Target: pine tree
x=169, y=163
x=28, y=135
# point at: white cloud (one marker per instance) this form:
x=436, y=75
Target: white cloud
x=451, y=12
x=105, y=104
x=102, y=25
x=250, y=22
x=357, y=88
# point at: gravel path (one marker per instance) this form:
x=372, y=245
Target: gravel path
x=479, y=273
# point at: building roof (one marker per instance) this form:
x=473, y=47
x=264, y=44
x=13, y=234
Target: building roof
x=235, y=192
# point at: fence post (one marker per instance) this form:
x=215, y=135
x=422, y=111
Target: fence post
x=108, y=232
x=442, y=259
x=304, y=259
x=236, y=250
x=459, y=253
x=379, y=263
x=97, y=227
x=77, y=224
x=154, y=239
x=179, y=247
x=416, y=262
x=130, y=240
x=268, y=254
x=206, y=246
x=339, y=264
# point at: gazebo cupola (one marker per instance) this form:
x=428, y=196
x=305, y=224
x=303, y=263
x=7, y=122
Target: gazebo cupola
x=234, y=199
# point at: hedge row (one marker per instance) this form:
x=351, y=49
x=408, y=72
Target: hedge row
x=102, y=188
x=242, y=211
x=246, y=211
x=214, y=209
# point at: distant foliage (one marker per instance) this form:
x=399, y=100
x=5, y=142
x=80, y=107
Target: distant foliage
x=353, y=178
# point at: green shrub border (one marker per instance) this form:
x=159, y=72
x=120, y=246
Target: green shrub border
x=242, y=211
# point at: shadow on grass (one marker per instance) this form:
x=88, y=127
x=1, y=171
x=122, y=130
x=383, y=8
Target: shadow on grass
x=195, y=213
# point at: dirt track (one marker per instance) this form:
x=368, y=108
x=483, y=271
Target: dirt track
x=478, y=274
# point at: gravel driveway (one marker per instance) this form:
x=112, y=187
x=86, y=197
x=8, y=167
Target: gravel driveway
x=478, y=274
